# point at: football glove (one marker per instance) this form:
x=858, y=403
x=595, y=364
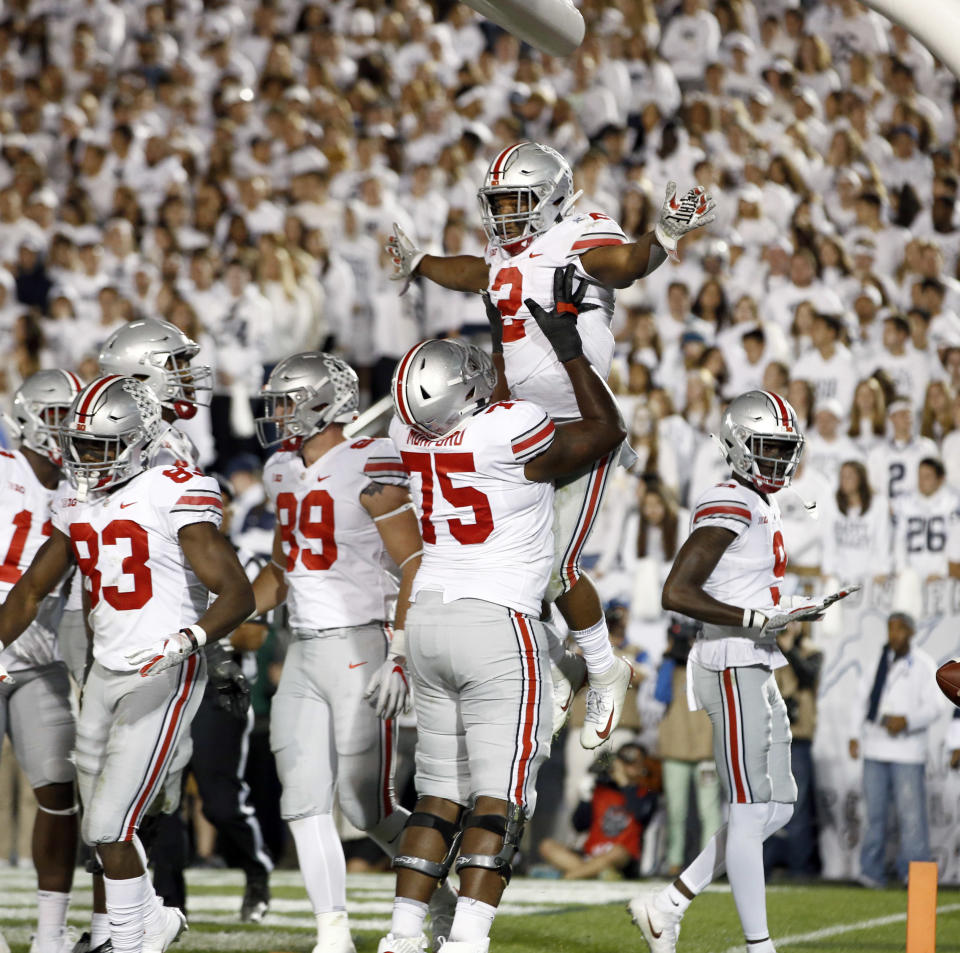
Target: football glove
x=169, y=651
x=406, y=257
x=692, y=210
x=770, y=624
x=559, y=325
x=6, y=678
x=495, y=320
x=388, y=691
x=226, y=679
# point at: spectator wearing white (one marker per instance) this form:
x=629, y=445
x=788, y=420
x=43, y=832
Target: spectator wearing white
x=589, y=176
x=90, y=278
x=828, y=365
x=15, y=227
x=828, y=446
x=690, y=39
x=595, y=105
x=449, y=312
x=678, y=319
x=893, y=464
x=427, y=207
x=362, y=253
x=261, y=215
x=804, y=530
x=939, y=225
x=927, y=525
x=651, y=78
x=902, y=92
x=120, y=257
x=908, y=368
x=339, y=289
x=803, y=285
x=742, y=67
x=377, y=209
x=369, y=159
x=765, y=127
x=857, y=544
x=888, y=239
x=936, y=415
x=808, y=110
x=855, y=28
x=310, y=193
x=907, y=165
x=950, y=449
x=754, y=225
x=867, y=338
x=292, y=315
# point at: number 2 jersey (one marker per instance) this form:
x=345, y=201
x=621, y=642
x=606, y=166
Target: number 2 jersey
x=748, y=574
x=532, y=368
x=336, y=564
x=24, y=527
x=126, y=545
x=487, y=530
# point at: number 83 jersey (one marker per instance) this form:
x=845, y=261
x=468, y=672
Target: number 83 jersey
x=334, y=558
x=127, y=547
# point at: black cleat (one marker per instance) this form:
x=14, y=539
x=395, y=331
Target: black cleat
x=256, y=901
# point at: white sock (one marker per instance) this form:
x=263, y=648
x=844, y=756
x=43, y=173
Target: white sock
x=408, y=917
x=760, y=946
x=154, y=919
x=51, y=917
x=595, y=645
x=125, y=909
x=472, y=921
x=745, y=867
x=322, y=863
x=99, y=929
x=670, y=900
x=386, y=835
x=778, y=815
x=707, y=865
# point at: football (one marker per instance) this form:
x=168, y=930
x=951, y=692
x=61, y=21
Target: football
x=948, y=678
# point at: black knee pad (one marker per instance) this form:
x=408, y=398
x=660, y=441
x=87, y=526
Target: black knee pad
x=510, y=828
x=450, y=831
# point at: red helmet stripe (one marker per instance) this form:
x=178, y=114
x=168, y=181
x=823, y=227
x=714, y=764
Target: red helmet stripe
x=76, y=380
x=401, y=386
x=781, y=407
x=93, y=390
x=499, y=162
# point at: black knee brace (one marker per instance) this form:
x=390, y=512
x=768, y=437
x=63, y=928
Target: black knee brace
x=450, y=832
x=510, y=828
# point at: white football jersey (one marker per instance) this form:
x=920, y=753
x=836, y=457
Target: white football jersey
x=336, y=564
x=533, y=371
x=927, y=532
x=24, y=526
x=892, y=466
x=749, y=573
x=126, y=545
x=857, y=545
x=487, y=530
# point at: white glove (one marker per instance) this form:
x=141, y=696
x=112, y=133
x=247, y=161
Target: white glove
x=679, y=216
x=406, y=257
x=6, y=678
x=169, y=651
x=388, y=691
x=770, y=624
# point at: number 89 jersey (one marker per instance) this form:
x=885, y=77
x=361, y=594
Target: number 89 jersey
x=335, y=565
x=487, y=529
x=127, y=547
x=533, y=371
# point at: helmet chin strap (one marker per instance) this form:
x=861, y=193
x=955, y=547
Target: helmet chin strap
x=567, y=206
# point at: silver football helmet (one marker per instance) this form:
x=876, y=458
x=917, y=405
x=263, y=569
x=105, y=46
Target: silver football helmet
x=305, y=393
x=761, y=437
x=528, y=187
x=160, y=354
x=439, y=383
x=106, y=436
x=40, y=405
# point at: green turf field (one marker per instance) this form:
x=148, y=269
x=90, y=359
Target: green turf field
x=537, y=915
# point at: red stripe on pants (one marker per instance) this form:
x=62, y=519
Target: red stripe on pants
x=741, y=794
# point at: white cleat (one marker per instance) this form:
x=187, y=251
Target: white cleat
x=403, y=944
x=568, y=678
x=443, y=907
x=3, y=945
x=175, y=922
x=334, y=933
x=64, y=943
x=467, y=946
x=605, y=703
x=660, y=930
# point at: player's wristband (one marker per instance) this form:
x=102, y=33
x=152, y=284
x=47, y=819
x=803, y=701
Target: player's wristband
x=196, y=634
x=753, y=619
x=398, y=644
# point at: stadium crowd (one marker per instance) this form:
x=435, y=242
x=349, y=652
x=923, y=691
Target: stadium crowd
x=236, y=166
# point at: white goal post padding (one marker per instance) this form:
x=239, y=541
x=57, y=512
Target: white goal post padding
x=935, y=23
x=552, y=26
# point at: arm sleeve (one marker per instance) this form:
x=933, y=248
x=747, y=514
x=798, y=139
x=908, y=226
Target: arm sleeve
x=597, y=230
x=723, y=506
x=196, y=501
x=531, y=428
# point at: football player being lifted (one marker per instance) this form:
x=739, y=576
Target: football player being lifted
x=147, y=544
x=728, y=575
x=343, y=515
x=527, y=206
x=35, y=703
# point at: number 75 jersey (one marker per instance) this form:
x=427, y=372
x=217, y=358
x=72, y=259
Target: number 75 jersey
x=487, y=530
x=533, y=371
x=127, y=547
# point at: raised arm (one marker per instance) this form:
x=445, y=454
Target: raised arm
x=601, y=427
x=458, y=272
x=618, y=266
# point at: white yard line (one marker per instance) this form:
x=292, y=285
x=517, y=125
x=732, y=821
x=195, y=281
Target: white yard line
x=840, y=928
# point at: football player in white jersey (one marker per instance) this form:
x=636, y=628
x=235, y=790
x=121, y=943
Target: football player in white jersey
x=146, y=541
x=35, y=709
x=728, y=575
x=482, y=477
x=343, y=514
x=527, y=204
